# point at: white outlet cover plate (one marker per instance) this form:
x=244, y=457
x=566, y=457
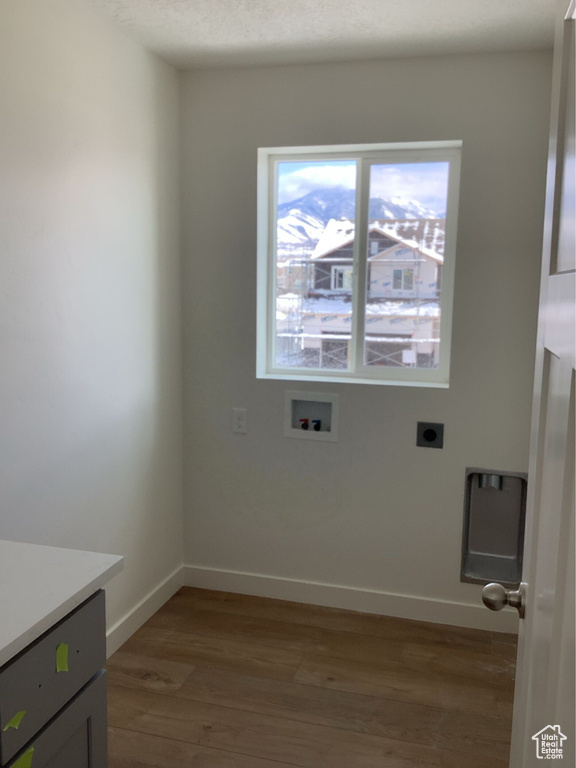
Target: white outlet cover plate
x=240, y=421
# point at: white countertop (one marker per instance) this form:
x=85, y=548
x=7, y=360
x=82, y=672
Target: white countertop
x=39, y=585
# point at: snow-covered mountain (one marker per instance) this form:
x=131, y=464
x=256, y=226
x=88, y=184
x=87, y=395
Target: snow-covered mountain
x=399, y=208
x=301, y=222
x=323, y=204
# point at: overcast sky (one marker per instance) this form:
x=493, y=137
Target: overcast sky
x=425, y=182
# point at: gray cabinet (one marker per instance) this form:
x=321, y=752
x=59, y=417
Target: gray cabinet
x=53, y=696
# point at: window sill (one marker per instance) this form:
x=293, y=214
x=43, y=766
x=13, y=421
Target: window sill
x=347, y=378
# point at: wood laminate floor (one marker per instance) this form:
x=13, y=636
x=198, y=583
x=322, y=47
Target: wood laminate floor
x=218, y=680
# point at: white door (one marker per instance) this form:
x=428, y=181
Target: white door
x=545, y=670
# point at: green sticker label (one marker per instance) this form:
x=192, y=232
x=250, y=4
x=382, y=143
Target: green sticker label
x=26, y=760
x=15, y=722
x=62, y=658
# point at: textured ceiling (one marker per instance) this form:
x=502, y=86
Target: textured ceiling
x=219, y=33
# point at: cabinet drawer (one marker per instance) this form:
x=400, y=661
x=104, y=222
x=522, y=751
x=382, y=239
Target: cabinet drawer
x=75, y=738
x=37, y=683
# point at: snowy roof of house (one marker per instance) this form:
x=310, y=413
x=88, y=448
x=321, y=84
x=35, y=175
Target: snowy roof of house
x=423, y=235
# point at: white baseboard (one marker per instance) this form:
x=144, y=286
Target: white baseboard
x=351, y=598
x=147, y=607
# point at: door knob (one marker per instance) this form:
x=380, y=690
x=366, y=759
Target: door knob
x=495, y=597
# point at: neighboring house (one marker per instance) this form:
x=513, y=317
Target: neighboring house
x=404, y=274
x=404, y=258
x=292, y=275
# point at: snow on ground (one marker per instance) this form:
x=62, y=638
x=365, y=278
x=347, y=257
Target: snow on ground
x=326, y=305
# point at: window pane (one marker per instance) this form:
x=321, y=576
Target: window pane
x=314, y=254
x=405, y=253
x=334, y=352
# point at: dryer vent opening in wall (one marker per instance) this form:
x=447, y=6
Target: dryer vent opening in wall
x=311, y=416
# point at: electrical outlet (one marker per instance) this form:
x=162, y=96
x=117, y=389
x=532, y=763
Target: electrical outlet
x=240, y=420
x=430, y=434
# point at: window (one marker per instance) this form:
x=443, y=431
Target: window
x=403, y=280
x=352, y=242
x=342, y=279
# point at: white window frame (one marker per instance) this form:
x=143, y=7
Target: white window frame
x=342, y=270
x=267, y=205
x=403, y=271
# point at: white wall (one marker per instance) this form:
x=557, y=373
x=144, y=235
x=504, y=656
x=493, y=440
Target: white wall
x=372, y=521
x=90, y=342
